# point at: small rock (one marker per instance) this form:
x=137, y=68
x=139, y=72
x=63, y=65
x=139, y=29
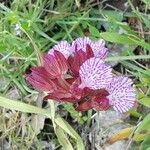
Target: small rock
x=4, y=82
x=13, y=93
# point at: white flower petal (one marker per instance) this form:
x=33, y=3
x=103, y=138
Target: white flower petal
x=64, y=47
x=81, y=44
x=121, y=94
x=95, y=74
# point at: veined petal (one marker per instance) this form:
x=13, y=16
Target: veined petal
x=99, y=49
x=95, y=74
x=122, y=95
x=51, y=65
x=76, y=61
x=40, y=79
x=81, y=44
x=77, y=93
x=56, y=64
x=63, y=65
x=58, y=95
x=64, y=47
x=99, y=101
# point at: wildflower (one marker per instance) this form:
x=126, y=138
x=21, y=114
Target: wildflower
x=17, y=30
x=77, y=73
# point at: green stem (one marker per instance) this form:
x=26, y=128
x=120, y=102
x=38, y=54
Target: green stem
x=36, y=49
x=121, y=58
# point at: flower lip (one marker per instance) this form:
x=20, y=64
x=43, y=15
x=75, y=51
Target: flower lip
x=98, y=47
x=95, y=74
x=122, y=95
x=81, y=43
x=63, y=47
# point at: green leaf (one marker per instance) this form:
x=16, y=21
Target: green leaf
x=135, y=113
x=63, y=139
x=145, y=20
x=145, y=101
x=60, y=122
x=114, y=16
x=44, y=34
x=145, y=79
x=147, y=2
x=146, y=143
x=138, y=137
x=2, y=6
x=117, y=38
x=135, y=68
x=52, y=111
x=23, y=107
x=145, y=125
x=94, y=32
x=74, y=114
x=124, y=39
x=66, y=127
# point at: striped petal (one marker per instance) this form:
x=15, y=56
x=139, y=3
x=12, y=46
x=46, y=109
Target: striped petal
x=56, y=65
x=81, y=44
x=121, y=94
x=63, y=47
x=95, y=74
x=99, y=49
x=40, y=79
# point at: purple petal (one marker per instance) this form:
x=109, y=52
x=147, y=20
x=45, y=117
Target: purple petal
x=99, y=49
x=63, y=47
x=95, y=74
x=121, y=94
x=81, y=44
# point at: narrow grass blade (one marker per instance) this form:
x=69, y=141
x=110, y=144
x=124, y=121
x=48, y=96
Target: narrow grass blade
x=124, y=39
x=145, y=124
x=66, y=127
x=23, y=107
x=63, y=139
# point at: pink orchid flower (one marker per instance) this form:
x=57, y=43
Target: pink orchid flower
x=77, y=73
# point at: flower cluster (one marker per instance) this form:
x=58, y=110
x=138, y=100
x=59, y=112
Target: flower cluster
x=77, y=73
